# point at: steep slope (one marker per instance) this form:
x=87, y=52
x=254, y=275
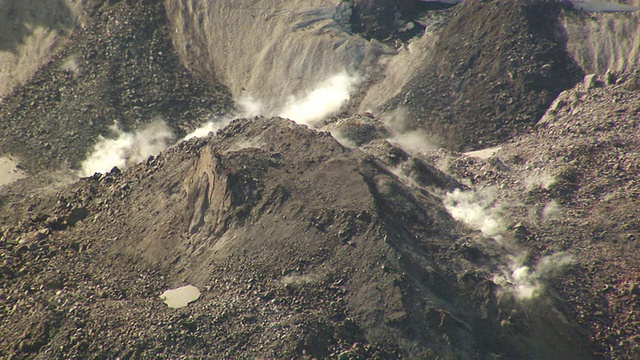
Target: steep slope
x=31, y=32
x=269, y=50
x=482, y=72
x=604, y=41
x=119, y=67
x=302, y=248
x=490, y=71
x=305, y=246
x=572, y=186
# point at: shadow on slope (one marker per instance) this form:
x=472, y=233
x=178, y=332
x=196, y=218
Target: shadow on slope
x=21, y=17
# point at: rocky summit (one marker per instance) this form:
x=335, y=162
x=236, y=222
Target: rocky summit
x=284, y=179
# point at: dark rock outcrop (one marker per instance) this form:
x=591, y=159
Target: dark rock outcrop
x=495, y=68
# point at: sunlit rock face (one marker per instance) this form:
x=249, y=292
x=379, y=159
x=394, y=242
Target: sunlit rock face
x=603, y=41
x=406, y=53
x=31, y=32
x=268, y=50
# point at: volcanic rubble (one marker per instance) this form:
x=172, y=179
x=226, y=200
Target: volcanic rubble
x=306, y=245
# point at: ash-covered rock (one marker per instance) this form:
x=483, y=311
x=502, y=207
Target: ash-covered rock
x=302, y=247
x=494, y=69
x=120, y=67
x=306, y=245
x=572, y=184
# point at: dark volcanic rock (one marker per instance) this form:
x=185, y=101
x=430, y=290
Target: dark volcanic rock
x=303, y=248
x=306, y=247
x=390, y=20
x=496, y=67
x=121, y=67
x=572, y=185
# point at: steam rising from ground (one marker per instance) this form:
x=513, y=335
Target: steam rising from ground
x=552, y=211
x=250, y=106
x=410, y=140
x=326, y=99
x=526, y=282
x=414, y=141
x=479, y=210
x=127, y=148
x=208, y=127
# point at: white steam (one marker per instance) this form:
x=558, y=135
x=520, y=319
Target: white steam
x=206, y=128
x=480, y=211
x=410, y=140
x=552, y=211
x=249, y=106
x=414, y=141
x=326, y=99
x=127, y=148
x=527, y=283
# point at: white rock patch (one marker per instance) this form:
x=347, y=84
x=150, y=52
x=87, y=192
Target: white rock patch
x=180, y=297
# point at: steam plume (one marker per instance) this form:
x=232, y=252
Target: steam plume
x=326, y=99
x=206, y=128
x=479, y=211
x=127, y=148
x=409, y=140
x=527, y=283
x=476, y=209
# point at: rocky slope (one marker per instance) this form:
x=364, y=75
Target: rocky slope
x=357, y=240
x=491, y=73
x=120, y=67
x=31, y=32
x=302, y=248
x=572, y=186
x=601, y=41
x=453, y=72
